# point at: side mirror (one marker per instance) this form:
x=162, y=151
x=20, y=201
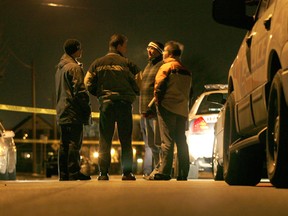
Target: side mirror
x=233, y=13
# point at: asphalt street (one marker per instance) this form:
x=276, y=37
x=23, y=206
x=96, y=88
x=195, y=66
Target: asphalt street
x=141, y=197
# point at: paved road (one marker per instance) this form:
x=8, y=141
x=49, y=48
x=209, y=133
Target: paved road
x=194, y=197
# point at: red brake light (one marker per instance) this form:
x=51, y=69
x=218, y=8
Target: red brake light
x=199, y=125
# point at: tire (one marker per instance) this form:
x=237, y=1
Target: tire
x=243, y=167
x=12, y=175
x=48, y=173
x=276, y=136
x=218, y=172
x=217, y=169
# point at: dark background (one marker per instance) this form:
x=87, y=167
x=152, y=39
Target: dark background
x=33, y=31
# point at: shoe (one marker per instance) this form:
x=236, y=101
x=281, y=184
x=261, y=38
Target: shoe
x=160, y=177
x=77, y=176
x=103, y=177
x=146, y=176
x=181, y=178
x=151, y=175
x=82, y=177
x=128, y=177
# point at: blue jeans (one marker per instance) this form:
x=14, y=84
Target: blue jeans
x=152, y=140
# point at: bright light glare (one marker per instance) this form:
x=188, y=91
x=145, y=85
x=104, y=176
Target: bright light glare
x=139, y=160
x=95, y=154
x=113, y=152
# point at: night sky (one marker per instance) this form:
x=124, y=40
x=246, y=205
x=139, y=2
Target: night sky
x=32, y=31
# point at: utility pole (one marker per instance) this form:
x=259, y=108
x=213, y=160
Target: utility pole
x=33, y=89
x=33, y=79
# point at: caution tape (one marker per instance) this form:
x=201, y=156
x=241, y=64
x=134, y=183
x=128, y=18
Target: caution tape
x=45, y=141
x=14, y=108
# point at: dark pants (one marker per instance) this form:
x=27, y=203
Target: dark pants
x=69, y=152
x=110, y=113
x=172, y=130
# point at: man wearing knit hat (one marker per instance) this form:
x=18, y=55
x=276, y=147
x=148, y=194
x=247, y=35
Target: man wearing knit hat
x=148, y=112
x=73, y=110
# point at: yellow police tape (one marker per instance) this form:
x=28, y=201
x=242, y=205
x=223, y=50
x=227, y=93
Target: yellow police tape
x=15, y=108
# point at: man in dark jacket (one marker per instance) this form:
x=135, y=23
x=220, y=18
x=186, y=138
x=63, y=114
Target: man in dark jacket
x=111, y=79
x=73, y=110
x=152, y=138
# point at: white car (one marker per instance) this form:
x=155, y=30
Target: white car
x=256, y=111
x=7, y=155
x=202, y=117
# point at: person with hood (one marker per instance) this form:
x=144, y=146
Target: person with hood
x=73, y=111
x=111, y=79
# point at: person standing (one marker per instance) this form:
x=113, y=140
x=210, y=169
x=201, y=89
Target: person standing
x=73, y=110
x=148, y=113
x=111, y=79
x=172, y=91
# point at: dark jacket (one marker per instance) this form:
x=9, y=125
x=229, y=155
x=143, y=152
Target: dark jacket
x=73, y=104
x=147, y=85
x=112, y=77
x=173, y=87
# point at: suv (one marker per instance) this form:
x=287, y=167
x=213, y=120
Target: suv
x=202, y=117
x=256, y=112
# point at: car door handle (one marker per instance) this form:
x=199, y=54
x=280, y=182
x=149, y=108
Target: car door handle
x=267, y=23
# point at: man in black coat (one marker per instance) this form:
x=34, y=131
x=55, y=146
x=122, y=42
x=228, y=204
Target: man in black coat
x=73, y=110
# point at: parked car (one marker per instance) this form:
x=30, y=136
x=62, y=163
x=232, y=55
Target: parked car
x=202, y=117
x=8, y=154
x=256, y=110
x=217, y=156
x=51, y=166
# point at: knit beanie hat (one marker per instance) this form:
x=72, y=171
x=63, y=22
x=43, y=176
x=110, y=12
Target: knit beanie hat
x=71, y=46
x=157, y=45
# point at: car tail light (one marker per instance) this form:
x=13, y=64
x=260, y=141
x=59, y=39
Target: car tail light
x=199, y=125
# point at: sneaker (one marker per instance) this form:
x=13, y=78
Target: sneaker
x=103, y=177
x=146, y=176
x=128, y=177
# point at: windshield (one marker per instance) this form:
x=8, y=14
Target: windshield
x=212, y=104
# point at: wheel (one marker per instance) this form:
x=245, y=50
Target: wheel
x=12, y=175
x=217, y=169
x=218, y=172
x=48, y=173
x=243, y=167
x=276, y=137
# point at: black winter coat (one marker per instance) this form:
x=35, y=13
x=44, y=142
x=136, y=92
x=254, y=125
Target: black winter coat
x=72, y=99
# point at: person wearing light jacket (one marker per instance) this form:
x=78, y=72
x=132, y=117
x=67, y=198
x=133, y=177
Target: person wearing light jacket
x=172, y=92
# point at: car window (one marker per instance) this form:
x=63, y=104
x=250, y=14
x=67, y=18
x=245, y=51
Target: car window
x=212, y=104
